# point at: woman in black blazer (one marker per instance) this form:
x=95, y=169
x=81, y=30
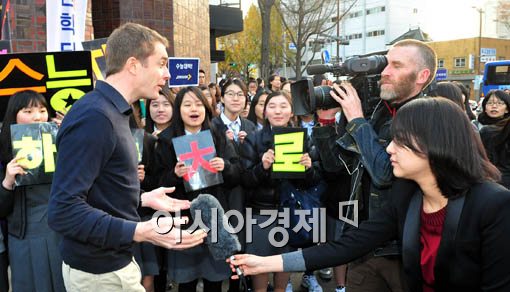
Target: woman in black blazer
x=450, y=215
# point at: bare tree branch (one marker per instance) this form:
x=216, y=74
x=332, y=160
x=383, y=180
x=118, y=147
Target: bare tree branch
x=304, y=21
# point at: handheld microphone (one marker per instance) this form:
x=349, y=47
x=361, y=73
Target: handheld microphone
x=213, y=216
x=239, y=272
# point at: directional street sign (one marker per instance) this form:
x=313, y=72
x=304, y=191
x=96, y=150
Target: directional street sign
x=183, y=71
x=487, y=52
x=325, y=56
x=441, y=74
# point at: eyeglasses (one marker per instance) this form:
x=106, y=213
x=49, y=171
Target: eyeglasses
x=498, y=103
x=231, y=94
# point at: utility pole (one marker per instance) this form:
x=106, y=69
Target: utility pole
x=284, y=53
x=478, y=60
x=478, y=53
x=338, y=30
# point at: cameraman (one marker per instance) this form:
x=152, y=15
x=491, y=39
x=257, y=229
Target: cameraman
x=411, y=67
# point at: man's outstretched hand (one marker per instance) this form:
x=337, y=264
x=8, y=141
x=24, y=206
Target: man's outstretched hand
x=158, y=199
x=166, y=232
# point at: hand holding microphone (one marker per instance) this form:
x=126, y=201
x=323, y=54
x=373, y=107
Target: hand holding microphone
x=248, y=264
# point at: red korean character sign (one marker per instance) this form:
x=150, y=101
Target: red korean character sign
x=196, y=151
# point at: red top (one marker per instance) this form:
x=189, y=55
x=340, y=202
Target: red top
x=431, y=229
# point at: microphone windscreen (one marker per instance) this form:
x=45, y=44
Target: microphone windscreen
x=208, y=209
x=318, y=69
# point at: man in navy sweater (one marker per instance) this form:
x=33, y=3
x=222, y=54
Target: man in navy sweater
x=95, y=192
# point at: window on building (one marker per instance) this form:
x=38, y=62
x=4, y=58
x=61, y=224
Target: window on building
x=440, y=63
x=354, y=14
x=375, y=33
x=316, y=45
x=376, y=10
x=354, y=36
x=460, y=62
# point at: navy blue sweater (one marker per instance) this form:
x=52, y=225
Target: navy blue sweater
x=95, y=191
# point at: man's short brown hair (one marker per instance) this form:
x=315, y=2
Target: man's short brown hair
x=130, y=40
x=427, y=57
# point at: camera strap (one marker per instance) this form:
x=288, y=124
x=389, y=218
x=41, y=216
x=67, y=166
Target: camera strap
x=393, y=111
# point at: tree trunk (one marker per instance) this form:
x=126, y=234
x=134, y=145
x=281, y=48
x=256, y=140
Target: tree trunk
x=265, y=13
x=298, y=62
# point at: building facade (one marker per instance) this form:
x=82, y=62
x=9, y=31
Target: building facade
x=186, y=24
x=464, y=59
x=366, y=28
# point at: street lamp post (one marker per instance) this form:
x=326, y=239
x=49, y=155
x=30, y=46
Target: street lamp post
x=337, y=30
x=479, y=53
x=284, y=54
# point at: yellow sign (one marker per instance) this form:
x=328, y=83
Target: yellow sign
x=288, y=151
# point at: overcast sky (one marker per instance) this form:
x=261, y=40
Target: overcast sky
x=444, y=19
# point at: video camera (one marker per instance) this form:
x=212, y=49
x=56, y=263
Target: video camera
x=364, y=73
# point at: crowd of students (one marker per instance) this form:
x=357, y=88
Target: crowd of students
x=428, y=134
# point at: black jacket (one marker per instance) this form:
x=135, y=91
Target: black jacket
x=473, y=254
x=15, y=205
x=264, y=193
x=149, y=161
x=332, y=170
x=246, y=125
x=151, y=180
x=498, y=153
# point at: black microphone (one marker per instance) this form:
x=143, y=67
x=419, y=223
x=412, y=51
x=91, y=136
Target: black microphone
x=208, y=209
x=319, y=69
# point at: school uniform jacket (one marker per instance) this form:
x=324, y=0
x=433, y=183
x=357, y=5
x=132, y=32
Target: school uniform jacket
x=246, y=125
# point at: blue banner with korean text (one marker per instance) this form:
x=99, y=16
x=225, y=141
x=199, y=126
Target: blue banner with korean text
x=65, y=24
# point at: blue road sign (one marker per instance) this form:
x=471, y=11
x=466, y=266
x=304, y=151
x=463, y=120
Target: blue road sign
x=325, y=56
x=183, y=71
x=487, y=52
x=441, y=74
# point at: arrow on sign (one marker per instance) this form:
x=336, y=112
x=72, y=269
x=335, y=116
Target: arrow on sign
x=189, y=76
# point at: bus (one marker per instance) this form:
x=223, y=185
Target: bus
x=496, y=76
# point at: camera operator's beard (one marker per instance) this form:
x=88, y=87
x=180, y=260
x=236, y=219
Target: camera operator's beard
x=400, y=90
